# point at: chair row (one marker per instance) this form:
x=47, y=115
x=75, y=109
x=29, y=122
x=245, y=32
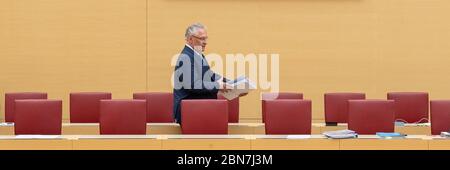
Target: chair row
x=283, y=116
x=410, y=107
x=85, y=106
x=365, y=116
x=120, y=116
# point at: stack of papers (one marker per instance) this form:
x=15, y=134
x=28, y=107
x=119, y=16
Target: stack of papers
x=445, y=134
x=341, y=134
x=6, y=124
x=390, y=135
x=237, y=87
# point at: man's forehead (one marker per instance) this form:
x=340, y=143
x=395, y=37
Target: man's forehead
x=201, y=32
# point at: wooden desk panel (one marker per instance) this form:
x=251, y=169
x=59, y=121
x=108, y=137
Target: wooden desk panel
x=80, y=129
x=240, y=129
x=383, y=144
x=416, y=130
x=156, y=129
x=221, y=142
x=294, y=144
x=6, y=130
x=206, y=144
x=35, y=144
x=439, y=144
x=117, y=144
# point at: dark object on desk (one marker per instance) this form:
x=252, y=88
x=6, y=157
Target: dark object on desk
x=331, y=123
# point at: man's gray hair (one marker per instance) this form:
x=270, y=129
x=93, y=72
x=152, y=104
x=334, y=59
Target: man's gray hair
x=192, y=29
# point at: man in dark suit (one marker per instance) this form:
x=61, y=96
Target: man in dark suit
x=193, y=78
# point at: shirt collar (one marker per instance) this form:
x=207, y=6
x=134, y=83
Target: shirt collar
x=195, y=51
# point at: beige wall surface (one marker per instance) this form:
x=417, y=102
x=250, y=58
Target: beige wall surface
x=126, y=46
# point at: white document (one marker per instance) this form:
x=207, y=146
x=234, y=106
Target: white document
x=341, y=134
x=237, y=87
x=298, y=136
x=445, y=134
x=6, y=124
x=38, y=136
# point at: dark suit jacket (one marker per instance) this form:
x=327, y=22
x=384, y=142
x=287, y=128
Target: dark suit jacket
x=193, y=79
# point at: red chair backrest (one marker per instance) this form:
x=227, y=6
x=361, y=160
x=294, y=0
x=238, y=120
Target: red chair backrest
x=85, y=106
x=440, y=116
x=38, y=116
x=288, y=116
x=371, y=116
x=411, y=107
x=9, y=102
x=123, y=117
x=204, y=116
x=233, y=109
x=159, y=106
x=336, y=106
x=275, y=96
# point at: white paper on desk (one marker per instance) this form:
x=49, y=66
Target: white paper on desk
x=298, y=136
x=239, y=86
x=38, y=136
x=6, y=124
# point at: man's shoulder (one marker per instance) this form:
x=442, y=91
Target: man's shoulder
x=187, y=51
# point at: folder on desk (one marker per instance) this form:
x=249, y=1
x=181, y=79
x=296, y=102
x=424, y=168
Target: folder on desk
x=392, y=135
x=341, y=134
x=239, y=86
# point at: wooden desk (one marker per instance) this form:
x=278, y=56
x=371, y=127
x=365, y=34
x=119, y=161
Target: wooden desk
x=233, y=128
x=117, y=142
x=411, y=129
x=282, y=142
x=438, y=143
x=372, y=142
x=206, y=142
x=12, y=143
x=221, y=142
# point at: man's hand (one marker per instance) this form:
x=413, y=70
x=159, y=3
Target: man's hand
x=223, y=87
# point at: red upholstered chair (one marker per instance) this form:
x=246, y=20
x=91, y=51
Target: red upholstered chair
x=204, y=116
x=9, y=102
x=85, y=106
x=410, y=107
x=440, y=116
x=159, y=106
x=336, y=106
x=233, y=109
x=371, y=116
x=275, y=96
x=288, y=116
x=123, y=117
x=38, y=116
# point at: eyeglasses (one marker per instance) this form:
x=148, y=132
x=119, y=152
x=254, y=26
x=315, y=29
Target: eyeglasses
x=201, y=38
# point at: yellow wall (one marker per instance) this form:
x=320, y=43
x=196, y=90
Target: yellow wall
x=124, y=46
